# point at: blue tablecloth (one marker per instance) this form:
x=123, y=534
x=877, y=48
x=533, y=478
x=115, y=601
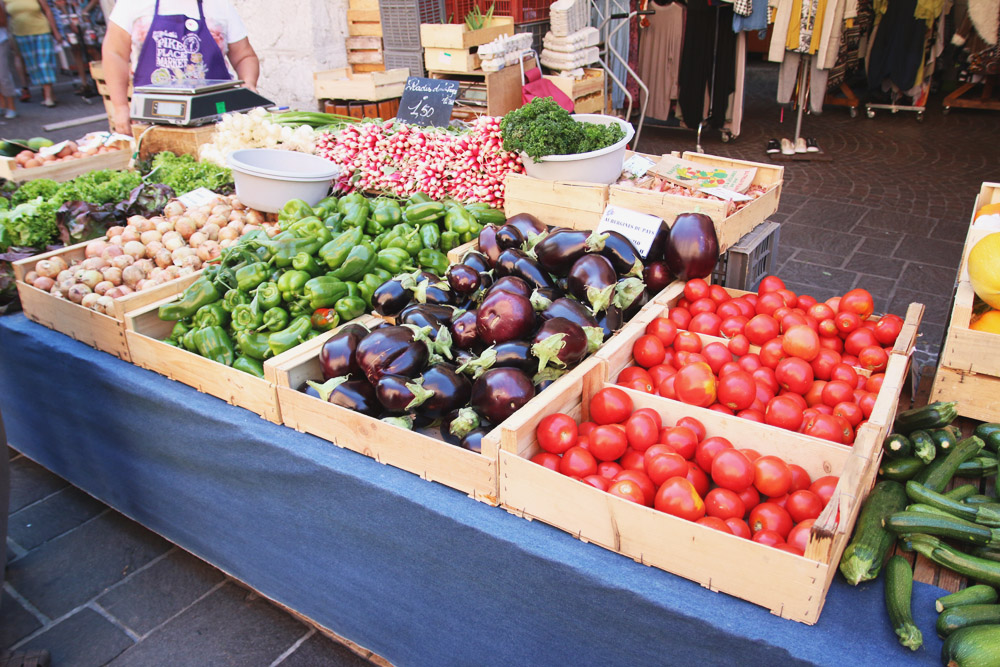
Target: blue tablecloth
x=417, y=572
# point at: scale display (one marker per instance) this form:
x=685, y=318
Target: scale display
x=193, y=103
x=167, y=109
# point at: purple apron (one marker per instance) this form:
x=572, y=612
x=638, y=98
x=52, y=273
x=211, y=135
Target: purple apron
x=179, y=48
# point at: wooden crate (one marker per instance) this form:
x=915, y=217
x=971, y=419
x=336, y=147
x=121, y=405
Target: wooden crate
x=969, y=366
x=70, y=169
x=451, y=60
x=368, y=5
x=560, y=203
x=728, y=228
x=364, y=23
x=343, y=84
x=97, y=72
x=503, y=90
x=364, y=50
x=104, y=332
x=362, y=68
x=587, y=93
x=386, y=109
x=145, y=333
x=456, y=254
x=457, y=36
x=153, y=139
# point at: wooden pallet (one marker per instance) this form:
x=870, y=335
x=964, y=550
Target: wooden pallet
x=364, y=23
x=364, y=50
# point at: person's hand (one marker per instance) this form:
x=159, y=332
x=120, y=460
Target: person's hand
x=122, y=120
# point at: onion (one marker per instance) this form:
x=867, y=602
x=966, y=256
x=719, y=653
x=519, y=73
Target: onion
x=90, y=300
x=65, y=274
x=181, y=253
x=122, y=261
x=146, y=265
x=152, y=248
x=102, y=287
x=93, y=264
x=185, y=271
x=164, y=226
x=222, y=209
x=115, y=292
x=211, y=230
x=135, y=248
x=185, y=226
x=229, y=233
x=30, y=277
x=199, y=216
x=249, y=227
x=132, y=275
x=56, y=291
x=111, y=252
x=192, y=261
x=236, y=203
x=44, y=283
x=225, y=243
x=145, y=283
x=173, y=271
x=77, y=292
x=59, y=264
x=91, y=278
x=130, y=234
x=197, y=239
x=164, y=258
x=46, y=268
x=105, y=304
x=173, y=209
x=116, y=240
x=115, y=231
x=113, y=274
x=95, y=248
x=254, y=217
x=135, y=221
x=149, y=236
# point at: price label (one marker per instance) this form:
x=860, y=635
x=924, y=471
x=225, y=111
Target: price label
x=639, y=228
x=198, y=197
x=726, y=193
x=638, y=165
x=427, y=101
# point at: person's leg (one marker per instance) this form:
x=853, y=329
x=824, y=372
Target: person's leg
x=48, y=98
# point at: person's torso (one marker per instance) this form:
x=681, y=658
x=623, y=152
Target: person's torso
x=27, y=18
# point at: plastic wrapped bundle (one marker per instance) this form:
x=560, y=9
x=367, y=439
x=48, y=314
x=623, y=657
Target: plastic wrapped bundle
x=579, y=40
x=568, y=16
x=567, y=61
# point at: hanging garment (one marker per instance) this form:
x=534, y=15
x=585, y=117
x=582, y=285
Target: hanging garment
x=660, y=57
x=756, y=20
x=701, y=49
x=849, y=50
x=897, y=47
x=816, y=80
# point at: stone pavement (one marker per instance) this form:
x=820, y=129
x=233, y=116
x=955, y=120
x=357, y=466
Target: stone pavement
x=889, y=213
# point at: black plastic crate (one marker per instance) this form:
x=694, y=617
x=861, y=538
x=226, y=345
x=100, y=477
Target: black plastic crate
x=401, y=21
x=750, y=259
x=412, y=59
x=537, y=30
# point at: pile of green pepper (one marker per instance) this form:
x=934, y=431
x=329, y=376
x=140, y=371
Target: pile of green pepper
x=268, y=294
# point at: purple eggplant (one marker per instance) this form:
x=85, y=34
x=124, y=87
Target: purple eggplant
x=657, y=276
x=542, y=297
x=504, y=316
x=488, y=243
x=425, y=287
x=463, y=279
x=693, y=248
x=463, y=357
x=509, y=236
x=473, y=440
x=611, y=320
x=499, y=392
x=558, y=251
x=592, y=280
x=391, y=297
x=458, y=423
x=511, y=285
x=528, y=225
x=463, y=330
x=630, y=296
x=392, y=349
x=337, y=356
x=559, y=342
x=576, y=312
x=477, y=261
x=357, y=395
x=622, y=254
x=515, y=354
x=439, y=390
x=426, y=315
x=309, y=389
x=514, y=262
x=393, y=394
x=659, y=244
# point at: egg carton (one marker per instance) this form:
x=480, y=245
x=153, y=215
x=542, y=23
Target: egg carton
x=579, y=40
x=569, y=61
x=505, y=44
x=568, y=16
x=492, y=64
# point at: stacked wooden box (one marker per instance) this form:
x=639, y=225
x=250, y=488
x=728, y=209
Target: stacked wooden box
x=364, y=41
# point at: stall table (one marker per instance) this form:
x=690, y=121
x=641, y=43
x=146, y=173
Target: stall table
x=412, y=570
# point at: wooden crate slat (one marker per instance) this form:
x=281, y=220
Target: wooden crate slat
x=70, y=169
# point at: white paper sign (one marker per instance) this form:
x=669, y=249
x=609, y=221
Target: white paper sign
x=638, y=165
x=198, y=197
x=46, y=151
x=639, y=228
x=726, y=193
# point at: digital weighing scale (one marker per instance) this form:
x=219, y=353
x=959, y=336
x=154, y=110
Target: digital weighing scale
x=195, y=104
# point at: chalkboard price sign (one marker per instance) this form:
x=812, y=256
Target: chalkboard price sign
x=427, y=101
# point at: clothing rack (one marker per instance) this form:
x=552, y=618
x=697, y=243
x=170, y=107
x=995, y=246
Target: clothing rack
x=616, y=10
x=802, y=86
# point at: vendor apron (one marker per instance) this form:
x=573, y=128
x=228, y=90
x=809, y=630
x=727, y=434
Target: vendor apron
x=179, y=48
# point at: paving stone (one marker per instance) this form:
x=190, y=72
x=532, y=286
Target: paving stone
x=821, y=259
x=922, y=279
x=890, y=220
x=30, y=482
x=876, y=265
x=818, y=276
x=321, y=650
x=930, y=251
x=85, y=639
x=153, y=595
x=936, y=311
x=825, y=241
x=229, y=627
x=62, y=511
x=880, y=288
x=16, y=622
x=829, y=215
x=66, y=572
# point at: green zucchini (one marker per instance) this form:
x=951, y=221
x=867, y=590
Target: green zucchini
x=900, y=470
x=927, y=509
x=933, y=415
x=897, y=445
x=992, y=441
x=991, y=552
x=966, y=616
x=983, y=570
x=923, y=445
x=986, y=428
x=985, y=514
x=974, y=646
x=979, y=499
x=944, y=440
x=978, y=594
x=961, y=492
x=871, y=543
x=951, y=527
x=979, y=466
x=942, y=474
x=898, y=592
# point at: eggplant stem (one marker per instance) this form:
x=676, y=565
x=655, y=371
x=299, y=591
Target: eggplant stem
x=325, y=389
x=466, y=421
x=595, y=242
x=599, y=298
x=548, y=350
x=420, y=395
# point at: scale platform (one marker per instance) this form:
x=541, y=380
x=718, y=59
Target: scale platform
x=193, y=104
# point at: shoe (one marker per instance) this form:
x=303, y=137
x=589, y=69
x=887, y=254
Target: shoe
x=25, y=95
x=800, y=145
x=10, y=113
x=787, y=147
x=811, y=145
x=49, y=103
x=773, y=146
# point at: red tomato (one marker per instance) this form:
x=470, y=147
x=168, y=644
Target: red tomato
x=610, y=406
x=556, y=433
x=772, y=476
x=761, y=328
x=849, y=411
x=779, y=501
x=666, y=387
x=719, y=407
x=847, y=322
x=732, y=326
x=731, y=469
x=824, y=362
x=714, y=524
x=664, y=329
x=716, y=354
x=548, y=460
x=791, y=299
x=751, y=454
x=850, y=360
x=727, y=309
x=739, y=345
x=608, y=469
x=800, y=478
x=765, y=376
x=798, y=398
x=772, y=352
x=832, y=343
x=738, y=527
x=583, y=441
x=837, y=391
x=874, y=382
x=681, y=439
x=642, y=431
x=806, y=302
x=633, y=373
x=801, y=341
x=578, y=462
x=857, y=301
x=770, y=284
x=608, y=443
x=873, y=358
x=798, y=537
x=729, y=367
x=680, y=317
x=662, y=467
x=648, y=351
x=696, y=426
x=803, y=504
x=768, y=516
x=695, y=289
x=705, y=323
x=718, y=294
x=597, y=481
x=737, y=390
x=768, y=303
x=824, y=487
x=867, y=404
x=821, y=311
x=642, y=479
x=815, y=394
x=746, y=305
x=825, y=427
x=783, y=412
x=637, y=385
x=770, y=538
x=678, y=497
x=708, y=449
x=659, y=373
x=750, y=498
x=858, y=340
x=724, y=504
x=749, y=362
x=827, y=329
x=586, y=427
x=789, y=548
x=703, y=305
x=698, y=478
x=794, y=374
x=888, y=328
x=684, y=358
x=795, y=319
x=687, y=342
x=695, y=385
x=627, y=489
x=751, y=415
x=632, y=460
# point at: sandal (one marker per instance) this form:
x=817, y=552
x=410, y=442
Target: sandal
x=49, y=103
x=25, y=95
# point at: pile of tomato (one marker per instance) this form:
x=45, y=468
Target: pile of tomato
x=681, y=470
x=817, y=367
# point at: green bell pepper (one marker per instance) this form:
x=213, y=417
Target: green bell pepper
x=268, y=295
x=418, y=198
x=275, y=319
x=335, y=252
x=395, y=261
x=485, y=214
x=324, y=291
x=293, y=210
x=418, y=214
x=434, y=261
x=291, y=283
x=367, y=287
x=233, y=298
x=307, y=263
x=387, y=213
x=198, y=293
x=324, y=319
x=430, y=235
x=325, y=207
x=356, y=215
x=334, y=222
x=249, y=365
x=251, y=275
x=382, y=274
x=311, y=227
x=253, y=344
x=458, y=220
x=247, y=316
x=358, y=262
x=211, y=315
x=180, y=328
x=468, y=237
x=187, y=341
x=350, y=307
x=449, y=241
x=352, y=199
x=295, y=333
x=214, y=343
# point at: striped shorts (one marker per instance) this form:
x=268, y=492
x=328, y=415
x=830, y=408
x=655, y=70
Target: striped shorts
x=39, y=56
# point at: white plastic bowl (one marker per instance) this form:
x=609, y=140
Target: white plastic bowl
x=602, y=166
x=266, y=178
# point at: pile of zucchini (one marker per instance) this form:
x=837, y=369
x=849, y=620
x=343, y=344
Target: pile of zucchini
x=957, y=529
